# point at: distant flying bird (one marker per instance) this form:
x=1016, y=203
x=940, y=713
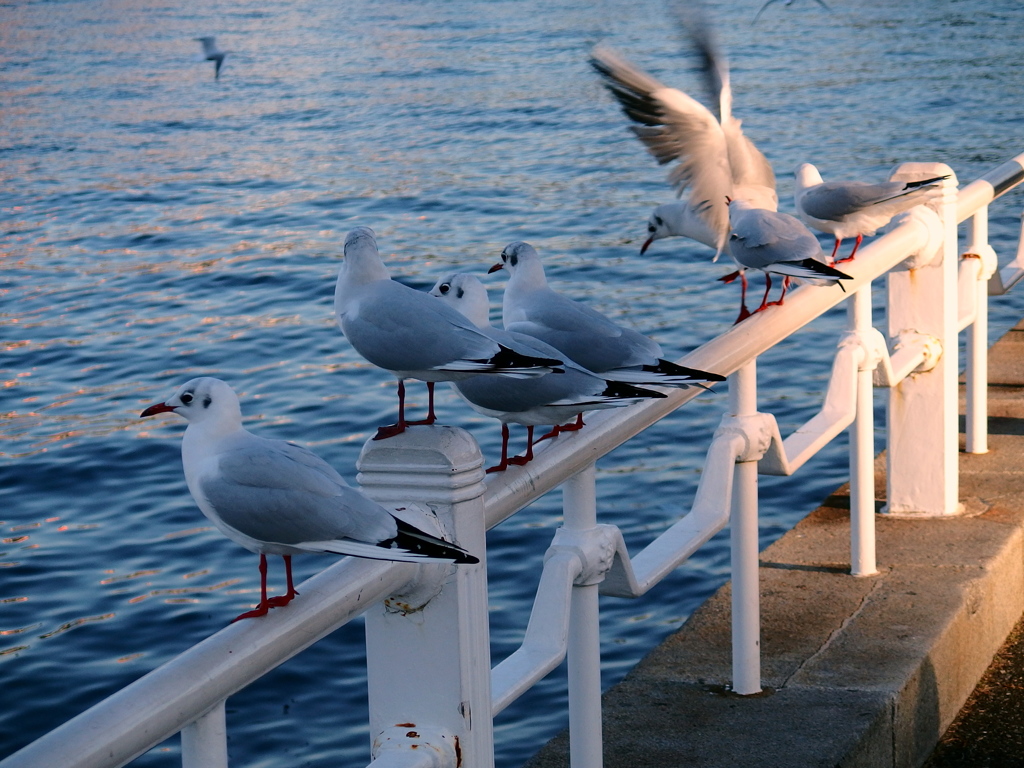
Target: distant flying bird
x=786, y=3
x=855, y=208
x=212, y=53
x=277, y=498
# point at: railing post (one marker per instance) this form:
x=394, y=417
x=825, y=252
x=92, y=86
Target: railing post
x=746, y=599
x=977, y=343
x=428, y=665
x=862, y=447
x=923, y=422
x=204, y=742
x=579, y=504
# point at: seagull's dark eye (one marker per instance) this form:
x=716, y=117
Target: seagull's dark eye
x=651, y=228
x=186, y=398
x=444, y=288
x=503, y=256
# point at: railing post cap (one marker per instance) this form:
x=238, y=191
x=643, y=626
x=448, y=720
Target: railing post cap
x=920, y=171
x=422, y=449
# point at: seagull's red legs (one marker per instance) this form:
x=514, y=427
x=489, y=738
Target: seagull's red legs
x=282, y=600
x=853, y=252
x=431, y=418
x=782, y=296
x=835, y=250
x=264, y=606
x=742, y=275
x=528, y=456
x=502, y=465
x=767, y=288
x=395, y=429
x=558, y=429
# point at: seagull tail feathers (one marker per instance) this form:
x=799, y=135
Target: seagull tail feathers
x=415, y=541
x=665, y=373
x=810, y=268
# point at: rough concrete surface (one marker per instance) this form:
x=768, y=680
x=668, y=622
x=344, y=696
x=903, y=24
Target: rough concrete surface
x=857, y=671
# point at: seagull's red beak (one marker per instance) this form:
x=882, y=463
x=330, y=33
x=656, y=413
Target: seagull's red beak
x=646, y=245
x=155, y=409
x=496, y=267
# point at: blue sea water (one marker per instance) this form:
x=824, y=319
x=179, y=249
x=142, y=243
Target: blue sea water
x=157, y=225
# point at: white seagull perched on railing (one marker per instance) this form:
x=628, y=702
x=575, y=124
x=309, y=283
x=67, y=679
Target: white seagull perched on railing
x=277, y=498
x=713, y=158
x=589, y=338
x=212, y=53
x=412, y=334
x=552, y=400
x=855, y=208
x=775, y=243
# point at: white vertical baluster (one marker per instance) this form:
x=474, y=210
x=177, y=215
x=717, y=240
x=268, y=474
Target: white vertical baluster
x=862, y=449
x=204, y=742
x=977, y=346
x=429, y=667
x=746, y=600
x=579, y=504
x=923, y=422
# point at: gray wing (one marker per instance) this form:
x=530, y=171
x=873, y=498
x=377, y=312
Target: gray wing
x=833, y=200
x=502, y=393
x=279, y=492
x=762, y=238
x=401, y=329
x=585, y=335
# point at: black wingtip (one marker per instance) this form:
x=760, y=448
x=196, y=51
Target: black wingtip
x=925, y=182
x=674, y=369
x=825, y=270
x=508, y=358
x=413, y=539
x=622, y=389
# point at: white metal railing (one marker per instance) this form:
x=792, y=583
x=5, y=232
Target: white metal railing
x=435, y=617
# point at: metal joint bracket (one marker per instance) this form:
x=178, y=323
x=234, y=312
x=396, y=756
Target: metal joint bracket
x=930, y=346
x=872, y=346
x=759, y=431
x=930, y=254
x=596, y=548
x=912, y=352
x=989, y=260
x=413, y=745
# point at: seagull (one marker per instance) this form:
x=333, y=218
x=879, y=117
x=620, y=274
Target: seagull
x=546, y=400
x=277, y=498
x=713, y=158
x=855, y=208
x=775, y=243
x=586, y=336
x=212, y=53
x=412, y=334
x=786, y=3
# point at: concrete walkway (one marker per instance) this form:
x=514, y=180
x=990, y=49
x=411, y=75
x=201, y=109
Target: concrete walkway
x=857, y=671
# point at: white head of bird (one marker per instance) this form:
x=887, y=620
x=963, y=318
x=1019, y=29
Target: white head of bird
x=466, y=294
